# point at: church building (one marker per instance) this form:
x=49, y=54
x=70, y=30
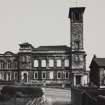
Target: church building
x=49, y=64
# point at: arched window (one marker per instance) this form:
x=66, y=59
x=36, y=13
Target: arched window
x=58, y=75
x=36, y=75
x=59, y=63
x=2, y=64
x=43, y=63
x=66, y=75
x=9, y=65
x=1, y=75
x=66, y=63
x=36, y=63
x=43, y=74
x=51, y=63
x=8, y=76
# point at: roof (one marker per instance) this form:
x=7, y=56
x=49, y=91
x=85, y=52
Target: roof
x=9, y=53
x=76, y=9
x=100, y=61
x=26, y=44
x=52, y=48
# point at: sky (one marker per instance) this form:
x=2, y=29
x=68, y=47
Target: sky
x=46, y=22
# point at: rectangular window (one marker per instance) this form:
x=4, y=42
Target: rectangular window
x=43, y=75
x=36, y=75
x=36, y=63
x=66, y=63
x=51, y=63
x=43, y=63
x=59, y=63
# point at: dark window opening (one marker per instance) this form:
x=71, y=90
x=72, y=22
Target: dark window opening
x=78, y=80
x=59, y=75
x=44, y=75
x=67, y=75
x=36, y=75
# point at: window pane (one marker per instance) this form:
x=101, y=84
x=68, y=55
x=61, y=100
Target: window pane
x=36, y=63
x=43, y=63
x=51, y=63
x=58, y=63
x=66, y=63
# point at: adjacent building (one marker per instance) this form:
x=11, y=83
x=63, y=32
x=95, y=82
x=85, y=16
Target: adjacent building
x=49, y=64
x=97, y=72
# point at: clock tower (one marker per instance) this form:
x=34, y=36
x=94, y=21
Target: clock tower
x=78, y=56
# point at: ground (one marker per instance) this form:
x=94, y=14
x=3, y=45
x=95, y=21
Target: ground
x=56, y=96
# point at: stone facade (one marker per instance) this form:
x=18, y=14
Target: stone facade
x=58, y=64
x=8, y=66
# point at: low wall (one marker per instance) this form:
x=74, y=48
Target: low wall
x=101, y=100
x=87, y=96
x=76, y=96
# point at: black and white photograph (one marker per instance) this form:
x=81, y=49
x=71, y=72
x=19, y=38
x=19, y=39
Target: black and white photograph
x=52, y=52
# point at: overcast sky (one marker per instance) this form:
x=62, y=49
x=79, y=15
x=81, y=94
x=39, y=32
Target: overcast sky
x=45, y=22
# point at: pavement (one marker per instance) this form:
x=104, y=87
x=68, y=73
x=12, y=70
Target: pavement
x=55, y=96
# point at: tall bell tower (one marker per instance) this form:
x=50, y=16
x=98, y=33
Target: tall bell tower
x=76, y=17
x=78, y=56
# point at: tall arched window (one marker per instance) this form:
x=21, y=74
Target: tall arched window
x=9, y=65
x=2, y=64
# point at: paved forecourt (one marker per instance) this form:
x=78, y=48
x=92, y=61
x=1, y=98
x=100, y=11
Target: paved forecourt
x=55, y=95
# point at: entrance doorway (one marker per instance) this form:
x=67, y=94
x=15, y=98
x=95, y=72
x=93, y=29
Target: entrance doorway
x=24, y=76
